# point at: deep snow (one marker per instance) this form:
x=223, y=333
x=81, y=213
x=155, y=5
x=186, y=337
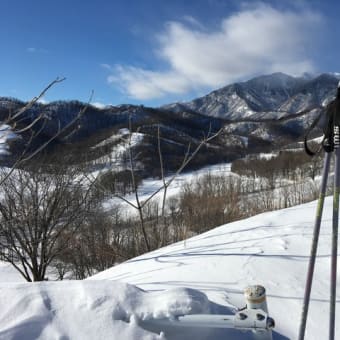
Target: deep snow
x=206, y=273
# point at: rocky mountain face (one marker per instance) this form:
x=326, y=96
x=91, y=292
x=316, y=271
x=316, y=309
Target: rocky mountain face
x=275, y=93
x=181, y=126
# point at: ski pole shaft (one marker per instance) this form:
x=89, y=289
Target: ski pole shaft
x=334, y=244
x=314, y=247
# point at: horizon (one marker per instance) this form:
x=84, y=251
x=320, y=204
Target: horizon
x=103, y=106
x=151, y=53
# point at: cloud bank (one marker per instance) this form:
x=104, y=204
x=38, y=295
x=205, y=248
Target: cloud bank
x=256, y=40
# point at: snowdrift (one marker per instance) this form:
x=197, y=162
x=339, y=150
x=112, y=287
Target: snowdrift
x=89, y=310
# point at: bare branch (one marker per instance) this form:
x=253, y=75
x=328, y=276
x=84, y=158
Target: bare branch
x=34, y=100
x=187, y=158
x=127, y=201
x=162, y=171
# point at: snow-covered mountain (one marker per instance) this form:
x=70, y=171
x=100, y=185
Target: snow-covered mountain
x=181, y=124
x=204, y=274
x=275, y=92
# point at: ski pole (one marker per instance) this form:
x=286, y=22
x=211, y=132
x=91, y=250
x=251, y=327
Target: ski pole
x=315, y=241
x=334, y=234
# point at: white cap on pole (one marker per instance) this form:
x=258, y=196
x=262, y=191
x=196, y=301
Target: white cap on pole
x=256, y=297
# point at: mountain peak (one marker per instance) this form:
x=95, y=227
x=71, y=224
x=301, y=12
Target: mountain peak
x=264, y=93
x=273, y=81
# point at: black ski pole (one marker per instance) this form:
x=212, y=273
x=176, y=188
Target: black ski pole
x=334, y=233
x=315, y=240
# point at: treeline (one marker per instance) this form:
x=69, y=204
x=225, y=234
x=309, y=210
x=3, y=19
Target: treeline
x=55, y=218
x=206, y=202
x=290, y=165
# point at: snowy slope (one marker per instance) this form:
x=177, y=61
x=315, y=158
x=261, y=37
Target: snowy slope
x=271, y=249
x=150, y=186
x=6, y=135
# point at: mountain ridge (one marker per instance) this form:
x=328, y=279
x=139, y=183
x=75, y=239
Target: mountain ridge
x=275, y=92
x=181, y=124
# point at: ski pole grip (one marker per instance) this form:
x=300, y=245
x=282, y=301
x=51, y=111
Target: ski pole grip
x=336, y=136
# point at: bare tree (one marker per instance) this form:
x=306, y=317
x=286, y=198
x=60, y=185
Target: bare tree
x=39, y=206
x=18, y=123
x=209, y=201
x=140, y=205
x=98, y=245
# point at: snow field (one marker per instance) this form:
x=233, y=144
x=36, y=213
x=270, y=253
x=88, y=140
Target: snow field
x=89, y=310
x=204, y=274
x=271, y=249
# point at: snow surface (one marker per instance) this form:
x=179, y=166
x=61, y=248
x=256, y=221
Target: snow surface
x=6, y=134
x=206, y=273
x=9, y=274
x=115, y=159
x=150, y=185
x=271, y=249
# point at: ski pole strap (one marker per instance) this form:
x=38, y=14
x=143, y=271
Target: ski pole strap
x=313, y=125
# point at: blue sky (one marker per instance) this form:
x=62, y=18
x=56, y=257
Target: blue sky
x=154, y=52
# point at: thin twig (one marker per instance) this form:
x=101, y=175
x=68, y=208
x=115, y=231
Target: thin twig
x=35, y=99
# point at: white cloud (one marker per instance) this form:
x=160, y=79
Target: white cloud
x=145, y=84
x=36, y=50
x=256, y=40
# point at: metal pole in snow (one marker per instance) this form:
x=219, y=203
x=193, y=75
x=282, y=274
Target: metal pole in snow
x=314, y=248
